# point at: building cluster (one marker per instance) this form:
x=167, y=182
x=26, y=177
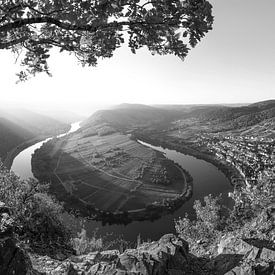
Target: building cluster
x=253, y=157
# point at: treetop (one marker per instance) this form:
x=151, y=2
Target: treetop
x=94, y=29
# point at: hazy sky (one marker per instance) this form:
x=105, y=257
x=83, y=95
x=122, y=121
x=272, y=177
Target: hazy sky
x=234, y=63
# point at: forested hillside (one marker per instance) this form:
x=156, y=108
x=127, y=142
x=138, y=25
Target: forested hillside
x=18, y=126
x=11, y=134
x=237, y=117
x=127, y=116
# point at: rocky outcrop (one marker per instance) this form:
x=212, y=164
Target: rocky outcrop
x=243, y=256
x=169, y=255
x=13, y=259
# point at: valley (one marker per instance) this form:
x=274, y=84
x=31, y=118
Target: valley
x=107, y=172
x=22, y=128
x=111, y=172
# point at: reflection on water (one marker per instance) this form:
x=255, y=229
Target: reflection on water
x=207, y=180
x=22, y=162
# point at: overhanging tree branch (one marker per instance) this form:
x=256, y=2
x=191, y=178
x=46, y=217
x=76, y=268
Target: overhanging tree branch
x=75, y=27
x=5, y=45
x=95, y=29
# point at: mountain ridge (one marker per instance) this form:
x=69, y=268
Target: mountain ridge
x=137, y=115
x=19, y=125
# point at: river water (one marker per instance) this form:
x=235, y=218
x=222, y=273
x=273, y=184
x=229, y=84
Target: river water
x=207, y=179
x=21, y=164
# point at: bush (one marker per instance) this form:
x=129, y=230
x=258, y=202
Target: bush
x=248, y=218
x=209, y=214
x=37, y=215
x=251, y=200
x=205, y=227
x=83, y=245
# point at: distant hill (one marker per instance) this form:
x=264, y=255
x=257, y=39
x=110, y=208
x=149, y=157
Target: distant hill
x=62, y=116
x=19, y=125
x=11, y=134
x=239, y=117
x=35, y=123
x=127, y=116
x=264, y=104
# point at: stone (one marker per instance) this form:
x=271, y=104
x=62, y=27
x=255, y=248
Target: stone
x=268, y=255
x=168, y=256
x=71, y=270
x=13, y=259
x=232, y=245
x=255, y=260
x=76, y=259
x=61, y=256
x=239, y=270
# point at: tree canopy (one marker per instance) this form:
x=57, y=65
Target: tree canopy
x=93, y=29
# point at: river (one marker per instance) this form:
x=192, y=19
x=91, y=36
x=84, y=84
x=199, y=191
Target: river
x=207, y=179
x=21, y=164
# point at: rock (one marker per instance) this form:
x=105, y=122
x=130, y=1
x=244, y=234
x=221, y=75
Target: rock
x=167, y=256
x=254, y=260
x=60, y=256
x=76, y=259
x=267, y=255
x=233, y=245
x=238, y=270
x=71, y=270
x=59, y=270
x=13, y=259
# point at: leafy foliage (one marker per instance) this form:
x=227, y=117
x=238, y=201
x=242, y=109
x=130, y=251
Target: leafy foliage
x=205, y=227
x=210, y=212
x=95, y=28
x=251, y=200
x=249, y=217
x=83, y=244
x=37, y=216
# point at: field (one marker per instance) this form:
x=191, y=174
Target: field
x=110, y=171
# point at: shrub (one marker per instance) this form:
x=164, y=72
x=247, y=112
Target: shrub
x=251, y=200
x=210, y=213
x=37, y=215
x=249, y=217
x=205, y=227
x=83, y=245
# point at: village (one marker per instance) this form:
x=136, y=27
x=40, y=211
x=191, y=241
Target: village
x=254, y=157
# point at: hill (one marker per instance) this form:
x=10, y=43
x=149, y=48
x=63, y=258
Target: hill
x=63, y=116
x=128, y=116
x=34, y=122
x=11, y=135
x=196, y=119
x=19, y=125
x=103, y=167
x=238, y=117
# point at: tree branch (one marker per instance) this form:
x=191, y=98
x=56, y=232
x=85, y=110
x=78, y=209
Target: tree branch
x=5, y=45
x=74, y=27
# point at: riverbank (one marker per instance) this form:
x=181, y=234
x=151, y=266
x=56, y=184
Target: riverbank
x=232, y=174
x=151, y=212
x=131, y=181
x=110, y=172
x=203, y=185
x=12, y=154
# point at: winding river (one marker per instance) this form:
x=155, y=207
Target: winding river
x=207, y=179
x=21, y=164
